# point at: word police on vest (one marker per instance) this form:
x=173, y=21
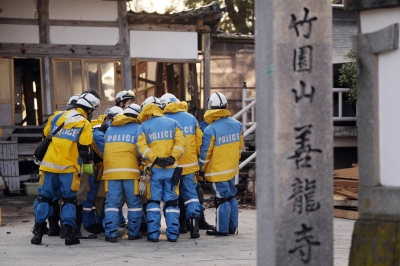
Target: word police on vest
x=228, y=138
x=188, y=129
x=161, y=135
x=73, y=132
x=121, y=137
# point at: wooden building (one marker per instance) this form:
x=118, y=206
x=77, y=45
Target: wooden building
x=53, y=49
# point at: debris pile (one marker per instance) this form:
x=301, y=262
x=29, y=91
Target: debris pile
x=345, y=192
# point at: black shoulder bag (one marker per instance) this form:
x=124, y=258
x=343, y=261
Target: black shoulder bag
x=42, y=148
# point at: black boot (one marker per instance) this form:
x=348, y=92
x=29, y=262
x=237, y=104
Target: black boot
x=216, y=233
x=45, y=229
x=70, y=238
x=143, y=222
x=79, y=210
x=93, y=229
x=38, y=231
x=62, y=231
x=194, y=228
x=183, y=229
x=54, y=227
x=203, y=225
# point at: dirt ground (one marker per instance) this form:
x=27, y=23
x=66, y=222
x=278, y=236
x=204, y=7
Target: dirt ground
x=16, y=209
x=19, y=209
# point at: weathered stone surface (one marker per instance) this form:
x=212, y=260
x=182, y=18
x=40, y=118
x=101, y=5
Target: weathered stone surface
x=294, y=132
x=367, y=47
x=378, y=200
x=374, y=243
x=359, y=5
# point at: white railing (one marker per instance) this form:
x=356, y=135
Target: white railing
x=247, y=104
x=340, y=116
x=248, y=127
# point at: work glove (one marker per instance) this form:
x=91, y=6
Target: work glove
x=162, y=162
x=146, y=174
x=104, y=127
x=142, y=188
x=170, y=160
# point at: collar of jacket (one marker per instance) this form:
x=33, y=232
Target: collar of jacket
x=81, y=112
x=73, y=118
x=121, y=120
x=215, y=114
x=149, y=111
x=176, y=107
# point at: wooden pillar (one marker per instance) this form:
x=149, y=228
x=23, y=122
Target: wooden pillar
x=126, y=67
x=44, y=23
x=46, y=72
x=206, y=49
x=47, y=92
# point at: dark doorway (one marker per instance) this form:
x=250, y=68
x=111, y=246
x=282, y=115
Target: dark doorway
x=27, y=96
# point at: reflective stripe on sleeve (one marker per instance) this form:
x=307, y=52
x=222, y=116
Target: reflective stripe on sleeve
x=188, y=165
x=145, y=151
x=204, y=161
x=179, y=148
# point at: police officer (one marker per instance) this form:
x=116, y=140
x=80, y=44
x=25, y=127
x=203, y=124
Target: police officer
x=124, y=98
x=54, y=218
x=90, y=222
x=219, y=158
x=121, y=174
x=176, y=110
x=62, y=170
x=161, y=142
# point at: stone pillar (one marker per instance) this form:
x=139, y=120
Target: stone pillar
x=294, y=132
x=375, y=236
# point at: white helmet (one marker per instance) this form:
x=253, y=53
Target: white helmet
x=168, y=98
x=88, y=100
x=151, y=99
x=72, y=101
x=113, y=111
x=217, y=101
x=133, y=108
x=124, y=95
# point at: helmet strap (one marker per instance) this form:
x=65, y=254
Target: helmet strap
x=220, y=100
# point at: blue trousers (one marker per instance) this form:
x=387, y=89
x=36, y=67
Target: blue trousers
x=55, y=184
x=37, y=201
x=187, y=190
x=160, y=190
x=227, y=213
x=89, y=216
x=113, y=203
